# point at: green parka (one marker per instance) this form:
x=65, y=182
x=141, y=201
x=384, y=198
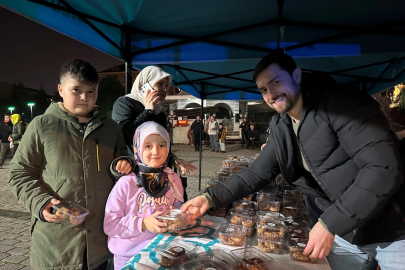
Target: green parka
x=58, y=159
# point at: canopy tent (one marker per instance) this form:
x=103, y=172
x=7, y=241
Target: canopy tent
x=210, y=47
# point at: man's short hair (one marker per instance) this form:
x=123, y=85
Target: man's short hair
x=80, y=70
x=220, y=124
x=283, y=60
x=6, y=114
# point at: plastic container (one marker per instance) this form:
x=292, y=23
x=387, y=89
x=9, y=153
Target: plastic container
x=295, y=224
x=248, y=197
x=220, y=255
x=293, y=193
x=174, y=253
x=268, y=246
x=232, y=235
x=296, y=252
x=69, y=213
x=269, y=204
x=212, y=182
x=236, y=169
x=227, y=163
x=252, y=258
x=273, y=231
x=264, y=217
x=244, y=205
x=293, y=202
x=300, y=235
x=265, y=194
x=293, y=212
x=245, y=217
x=207, y=263
x=233, y=157
x=221, y=211
x=174, y=219
x=243, y=163
x=223, y=174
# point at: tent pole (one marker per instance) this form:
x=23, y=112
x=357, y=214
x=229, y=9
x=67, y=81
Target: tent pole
x=280, y=4
x=128, y=64
x=202, y=117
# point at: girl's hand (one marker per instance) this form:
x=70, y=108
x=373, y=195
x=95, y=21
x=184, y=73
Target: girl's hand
x=152, y=224
x=151, y=99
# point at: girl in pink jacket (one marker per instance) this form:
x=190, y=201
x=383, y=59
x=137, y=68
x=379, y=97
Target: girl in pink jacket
x=139, y=198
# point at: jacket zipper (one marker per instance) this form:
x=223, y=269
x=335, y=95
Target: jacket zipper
x=98, y=160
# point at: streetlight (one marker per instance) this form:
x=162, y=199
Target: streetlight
x=31, y=104
x=11, y=109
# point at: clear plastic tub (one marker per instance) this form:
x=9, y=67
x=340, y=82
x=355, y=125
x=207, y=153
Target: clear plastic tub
x=221, y=211
x=223, y=174
x=265, y=194
x=174, y=253
x=244, y=205
x=270, y=204
x=233, y=157
x=293, y=212
x=243, y=163
x=236, y=169
x=174, y=219
x=273, y=231
x=268, y=246
x=264, y=217
x=293, y=202
x=207, y=263
x=220, y=255
x=299, y=235
x=252, y=258
x=248, y=197
x=296, y=252
x=212, y=182
x=245, y=217
x=69, y=213
x=227, y=163
x=293, y=193
x=232, y=235
x=295, y=224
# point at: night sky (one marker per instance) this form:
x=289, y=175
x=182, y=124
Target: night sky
x=33, y=54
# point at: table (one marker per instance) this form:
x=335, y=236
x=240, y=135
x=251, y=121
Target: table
x=204, y=234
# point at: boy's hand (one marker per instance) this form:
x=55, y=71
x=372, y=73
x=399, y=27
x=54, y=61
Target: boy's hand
x=47, y=212
x=123, y=166
x=152, y=224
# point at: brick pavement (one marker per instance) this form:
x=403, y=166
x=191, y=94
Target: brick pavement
x=15, y=219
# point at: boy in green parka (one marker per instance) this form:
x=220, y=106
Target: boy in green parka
x=66, y=155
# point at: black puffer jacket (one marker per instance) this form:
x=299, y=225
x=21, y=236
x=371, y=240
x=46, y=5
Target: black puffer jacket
x=130, y=114
x=354, y=160
x=5, y=131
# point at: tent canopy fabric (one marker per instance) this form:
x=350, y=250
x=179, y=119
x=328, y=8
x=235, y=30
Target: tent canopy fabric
x=210, y=47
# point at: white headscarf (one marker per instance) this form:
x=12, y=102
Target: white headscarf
x=152, y=75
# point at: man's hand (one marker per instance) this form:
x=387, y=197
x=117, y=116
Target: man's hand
x=123, y=166
x=263, y=146
x=47, y=212
x=196, y=207
x=185, y=167
x=152, y=224
x=319, y=243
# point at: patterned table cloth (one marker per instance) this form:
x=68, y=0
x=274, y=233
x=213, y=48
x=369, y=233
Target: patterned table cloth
x=204, y=234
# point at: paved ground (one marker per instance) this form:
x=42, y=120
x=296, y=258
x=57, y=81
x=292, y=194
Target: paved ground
x=15, y=219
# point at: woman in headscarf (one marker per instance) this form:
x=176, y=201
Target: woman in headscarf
x=134, y=109
x=18, y=131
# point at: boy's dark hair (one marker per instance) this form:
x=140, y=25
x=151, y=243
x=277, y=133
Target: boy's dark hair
x=221, y=124
x=283, y=60
x=80, y=70
x=7, y=114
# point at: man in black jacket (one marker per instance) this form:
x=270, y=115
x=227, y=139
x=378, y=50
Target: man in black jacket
x=196, y=126
x=252, y=137
x=336, y=146
x=6, y=128
x=244, y=126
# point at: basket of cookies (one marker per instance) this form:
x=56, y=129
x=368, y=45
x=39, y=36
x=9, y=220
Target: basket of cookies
x=70, y=213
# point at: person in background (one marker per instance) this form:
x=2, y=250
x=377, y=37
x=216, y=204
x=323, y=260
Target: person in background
x=66, y=155
x=139, y=198
x=244, y=126
x=212, y=132
x=18, y=132
x=225, y=122
x=6, y=129
x=206, y=132
x=196, y=128
x=221, y=135
x=136, y=108
x=252, y=137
